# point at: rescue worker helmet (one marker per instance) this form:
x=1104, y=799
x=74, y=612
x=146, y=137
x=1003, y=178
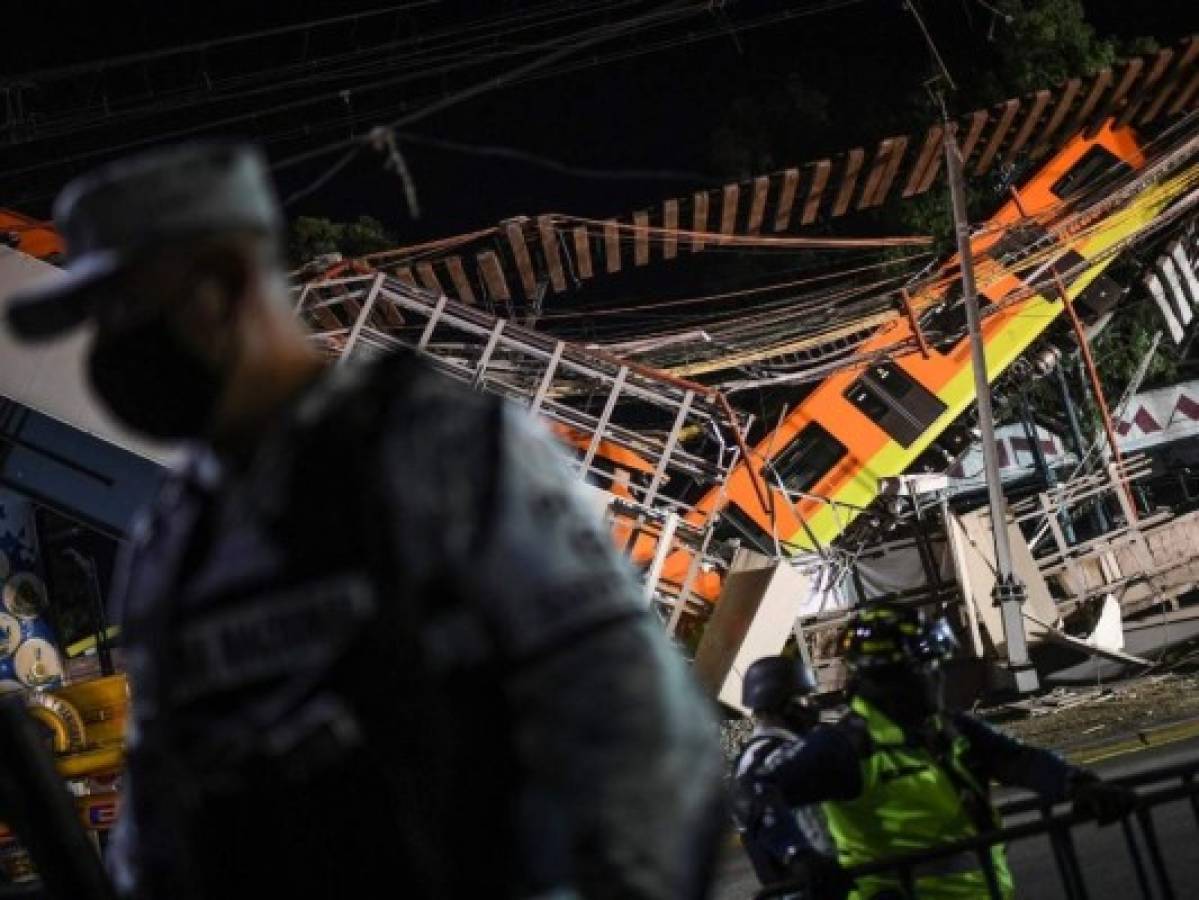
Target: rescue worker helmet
x=886, y=634
x=773, y=680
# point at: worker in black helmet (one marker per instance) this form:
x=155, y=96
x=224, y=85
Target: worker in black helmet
x=779, y=691
x=901, y=774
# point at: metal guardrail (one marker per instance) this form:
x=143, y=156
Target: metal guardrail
x=1149, y=867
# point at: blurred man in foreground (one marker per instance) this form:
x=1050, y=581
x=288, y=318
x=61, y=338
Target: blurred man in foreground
x=373, y=636
x=900, y=774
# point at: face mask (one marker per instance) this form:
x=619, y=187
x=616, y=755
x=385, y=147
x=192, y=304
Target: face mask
x=800, y=715
x=907, y=695
x=154, y=383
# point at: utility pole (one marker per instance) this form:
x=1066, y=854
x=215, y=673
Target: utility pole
x=1009, y=593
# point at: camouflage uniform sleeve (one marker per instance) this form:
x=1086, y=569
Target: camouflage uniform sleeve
x=615, y=735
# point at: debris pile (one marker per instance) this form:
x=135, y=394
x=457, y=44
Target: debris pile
x=1071, y=719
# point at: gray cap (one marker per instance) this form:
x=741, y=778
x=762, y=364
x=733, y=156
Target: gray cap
x=117, y=213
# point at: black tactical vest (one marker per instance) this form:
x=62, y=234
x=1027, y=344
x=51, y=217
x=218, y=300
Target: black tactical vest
x=319, y=713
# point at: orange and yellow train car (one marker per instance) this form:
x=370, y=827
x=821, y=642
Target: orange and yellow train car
x=821, y=467
x=29, y=235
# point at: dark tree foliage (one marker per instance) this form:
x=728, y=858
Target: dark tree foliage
x=1121, y=347
x=1044, y=42
x=310, y=237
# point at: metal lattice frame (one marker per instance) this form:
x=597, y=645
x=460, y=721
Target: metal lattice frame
x=582, y=390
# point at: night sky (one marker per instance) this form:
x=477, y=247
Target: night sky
x=660, y=110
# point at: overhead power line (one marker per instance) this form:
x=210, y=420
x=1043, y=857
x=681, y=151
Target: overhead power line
x=543, y=69
x=685, y=9
x=111, y=62
x=596, y=36
x=420, y=56
x=910, y=6
x=560, y=49
x=553, y=165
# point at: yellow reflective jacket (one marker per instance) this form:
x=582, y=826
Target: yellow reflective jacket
x=913, y=799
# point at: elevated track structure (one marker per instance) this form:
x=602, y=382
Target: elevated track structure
x=671, y=451
x=524, y=259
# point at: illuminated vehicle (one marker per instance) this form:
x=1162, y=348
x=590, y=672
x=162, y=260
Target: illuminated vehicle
x=820, y=468
x=37, y=239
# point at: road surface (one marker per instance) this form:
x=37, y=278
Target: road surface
x=1102, y=852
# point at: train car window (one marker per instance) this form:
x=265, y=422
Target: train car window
x=808, y=458
x=1099, y=298
x=736, y=522
x=1069, y=266
x=1093, y=166
x=1018, y=243
x=899, y=405
x=1034, y=242
x=869, y=401
x=947, y=322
